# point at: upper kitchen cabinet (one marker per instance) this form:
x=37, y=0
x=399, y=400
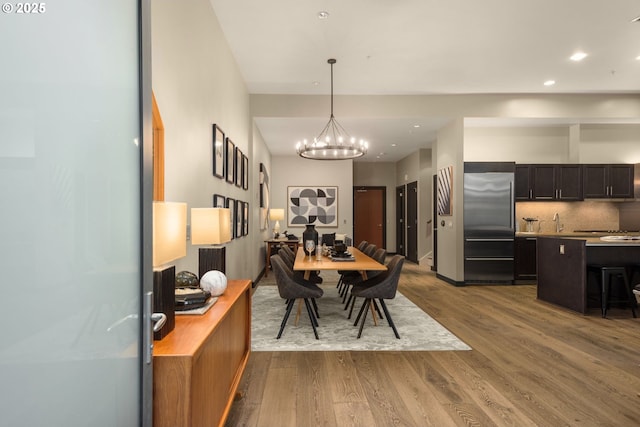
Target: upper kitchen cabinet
x=608, y=181
x=548, y=182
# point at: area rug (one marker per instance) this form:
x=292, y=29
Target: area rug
x=418, y=331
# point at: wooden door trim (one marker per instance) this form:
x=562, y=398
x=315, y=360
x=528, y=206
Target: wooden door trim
x=158, y=151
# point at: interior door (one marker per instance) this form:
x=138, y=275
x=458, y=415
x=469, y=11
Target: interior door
x=412, y=221
x=74, y=168
x=401, y=222
x=369, y=212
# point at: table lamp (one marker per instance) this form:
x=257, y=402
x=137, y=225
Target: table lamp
x=276, y=215
x=210, y=226
x=169, y=243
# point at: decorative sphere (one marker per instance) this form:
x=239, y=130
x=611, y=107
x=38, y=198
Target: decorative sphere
x=186, y=279
x=214, y=281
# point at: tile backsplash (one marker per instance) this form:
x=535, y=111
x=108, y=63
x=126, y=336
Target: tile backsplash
x=586, y=215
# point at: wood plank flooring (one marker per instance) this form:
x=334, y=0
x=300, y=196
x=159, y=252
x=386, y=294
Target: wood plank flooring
x=532, y=364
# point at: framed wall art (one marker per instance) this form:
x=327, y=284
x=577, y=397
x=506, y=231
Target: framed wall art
x=445, y=184
x=239, y=218
x=231, y=205
x=312, y=205
x=218, y=151
x=264, y=197
x=229, y=163
x=245, y=172
x=237, y=157
x=245, y=219
x=219, y=201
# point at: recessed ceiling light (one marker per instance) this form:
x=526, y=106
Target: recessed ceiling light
x=323, y=15
x=578, y=56
x=416, y=126
x=394, y=145
x=549, y=82
x=638, y=57
x=637, y=19
x=316, y=83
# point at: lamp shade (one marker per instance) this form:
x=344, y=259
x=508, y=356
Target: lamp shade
x=210, y=226
x=276, y=214
x=169, y=232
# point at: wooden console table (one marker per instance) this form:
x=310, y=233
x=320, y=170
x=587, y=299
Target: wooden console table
x=272, y=244
x=198, y=366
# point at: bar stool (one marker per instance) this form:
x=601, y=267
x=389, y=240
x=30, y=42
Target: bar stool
x=604, y=275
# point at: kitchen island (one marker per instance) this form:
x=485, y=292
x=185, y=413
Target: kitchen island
x=562, y=266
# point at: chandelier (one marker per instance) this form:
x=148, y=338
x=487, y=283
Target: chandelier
x=333, y=142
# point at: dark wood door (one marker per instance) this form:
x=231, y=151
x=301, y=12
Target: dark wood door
x=523, y=183
x=569, y=182
x=621, y=181
x=544, y=185
x=434, y=203
x=369, y=215
x=412, y=221
x=400, y=220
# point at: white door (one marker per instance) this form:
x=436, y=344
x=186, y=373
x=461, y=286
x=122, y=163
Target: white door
x=71, y=214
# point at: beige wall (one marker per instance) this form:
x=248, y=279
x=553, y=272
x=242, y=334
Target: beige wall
x=295, y=171
x=380, y=174
x=197, y=83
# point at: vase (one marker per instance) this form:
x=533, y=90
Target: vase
x=309, y=233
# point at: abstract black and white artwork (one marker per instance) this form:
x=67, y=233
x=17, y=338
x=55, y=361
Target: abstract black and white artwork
x=445, y=184
x=312, y=205
x=264, y=197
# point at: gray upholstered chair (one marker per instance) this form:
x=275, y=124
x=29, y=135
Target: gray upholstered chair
x=291, y=289
x=290, y=257
x=353, y=279
x=381, y=287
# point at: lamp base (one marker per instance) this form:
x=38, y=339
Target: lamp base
x=164, y=299
x=211, y=259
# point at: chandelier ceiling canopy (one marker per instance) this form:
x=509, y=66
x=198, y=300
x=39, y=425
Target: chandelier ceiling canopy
x=333, y=142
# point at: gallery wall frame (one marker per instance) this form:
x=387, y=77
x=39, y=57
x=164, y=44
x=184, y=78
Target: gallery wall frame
x=264, y=197
x=239, y=223
x=245, y=172
x=444, y=197
x=237, y=157
x=218, y=151
x=312, y=205
x=219, y=201
x=231, y=205
x=230, y=161
x=245, y=219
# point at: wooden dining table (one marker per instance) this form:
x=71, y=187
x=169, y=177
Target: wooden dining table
x=361, y=263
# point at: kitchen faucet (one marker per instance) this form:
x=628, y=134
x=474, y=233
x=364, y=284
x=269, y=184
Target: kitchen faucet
x=556, y=218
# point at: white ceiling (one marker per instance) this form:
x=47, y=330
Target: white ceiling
x=425, y=47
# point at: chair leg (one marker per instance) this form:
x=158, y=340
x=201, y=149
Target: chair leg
x=604, y=294
x=353, y=303
x=375, y=305
x=389, y=319
x=315, y=307
x=286, y=316
x=348, y=301
x=630, y=297
x=311, y=317
x=366, y=305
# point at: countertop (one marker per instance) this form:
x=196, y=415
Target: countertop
x=592, y=239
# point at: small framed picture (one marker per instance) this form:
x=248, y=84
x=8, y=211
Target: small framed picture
x=218, y=201
x=230, y=152
x=238, y=173
x=245, y=219
x=231, y=205
x=218, y=151
x=239, y=217
x=245, y=172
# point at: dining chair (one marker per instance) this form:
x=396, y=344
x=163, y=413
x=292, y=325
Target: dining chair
x=291, y=290
x=343, y=288
x=298, y=276
x=363, y=244
x=353, y=279
x=291, y=256
x=381, y=287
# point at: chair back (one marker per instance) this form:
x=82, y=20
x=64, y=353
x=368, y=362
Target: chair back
x=287, y=257
x=370, y=250
x=288, y=250
x=385, y=284
x=362, y=245
x=288, y=287
x=380, y=255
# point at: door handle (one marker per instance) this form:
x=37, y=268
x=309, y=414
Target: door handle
x=158, y=319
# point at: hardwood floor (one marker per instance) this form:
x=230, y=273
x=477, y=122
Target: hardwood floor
x=532, y=364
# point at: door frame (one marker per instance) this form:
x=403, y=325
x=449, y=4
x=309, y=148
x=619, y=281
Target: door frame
x=412, y=229
x=401, y=226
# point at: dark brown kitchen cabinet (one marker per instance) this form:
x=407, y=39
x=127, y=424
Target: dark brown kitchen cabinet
x=613, y=181
x=548, y=182
x=525, y=258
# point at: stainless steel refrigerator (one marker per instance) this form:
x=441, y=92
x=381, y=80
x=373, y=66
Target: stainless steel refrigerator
x=489, y=222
